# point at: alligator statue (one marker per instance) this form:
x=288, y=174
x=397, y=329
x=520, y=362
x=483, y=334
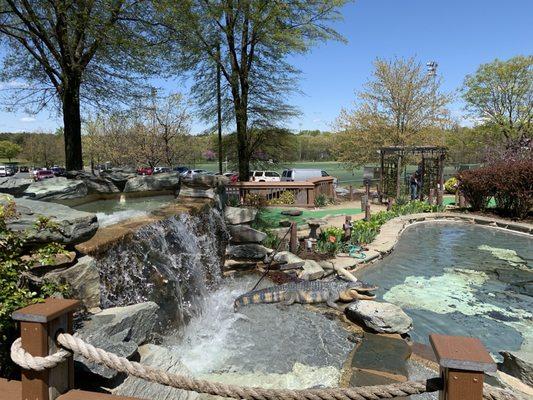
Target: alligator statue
x=307, y=293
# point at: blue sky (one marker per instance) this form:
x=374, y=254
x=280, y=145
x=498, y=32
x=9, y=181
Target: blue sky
x=459, y=35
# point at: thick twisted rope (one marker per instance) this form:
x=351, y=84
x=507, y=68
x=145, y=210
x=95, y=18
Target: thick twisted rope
x=121, y=364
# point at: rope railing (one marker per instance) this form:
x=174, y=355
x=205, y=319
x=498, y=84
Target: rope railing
x=75, y=345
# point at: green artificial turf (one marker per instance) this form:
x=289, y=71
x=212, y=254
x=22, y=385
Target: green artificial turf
x=272, y=216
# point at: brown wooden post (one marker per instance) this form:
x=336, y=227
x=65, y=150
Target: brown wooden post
x=462, y=200
x=39, y=325
x=399, y=177
x=381, y=177
x=440, y=193
x=293, y=241
x=431, y=196
x=462, y=360
x=367, y=202
x=347, y=227
x=351, y=193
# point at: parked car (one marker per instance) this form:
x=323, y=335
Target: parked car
x=4, y=171
x=264, y=176
x=160, y=170
x=145, y=171
x=43, y=174
x=58, y=171
x=181, y=170
x=191, y=173
x=24, y=169
x=297, y=175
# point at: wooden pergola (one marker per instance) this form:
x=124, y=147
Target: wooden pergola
x=431, y=168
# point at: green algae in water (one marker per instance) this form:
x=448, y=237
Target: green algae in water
x=504, y=254
x=459, y=279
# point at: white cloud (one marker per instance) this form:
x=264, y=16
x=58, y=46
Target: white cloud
x=27, y=119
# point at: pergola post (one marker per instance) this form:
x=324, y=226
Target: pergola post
x=440, y=189
x=399, y=176
x=381, y=154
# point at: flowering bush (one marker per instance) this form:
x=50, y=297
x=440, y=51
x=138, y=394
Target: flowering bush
x=285, y=198
x=451, y=185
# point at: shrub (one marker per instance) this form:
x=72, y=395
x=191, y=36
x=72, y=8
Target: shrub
x=330, y=240
x=321, y=200
x=285, y=198
x=15, y=292
x=364, y=232
x=451, y=185
x=511, y=184
x=476, y=185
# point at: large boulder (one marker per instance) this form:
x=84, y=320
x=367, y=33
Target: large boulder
x=83, y=280
x=56, y=189
x=380, y=317
x=206, y=181
x=245, y=234
x=119, y=330
x=160, y=182
x=286, y=257
x=518, y=364
x=248, y=252
x=69, y=226
x=119, y=177
x=239, y=215
x=197, y=193
x=14, y=186
x=311, y=271
x=95, y=184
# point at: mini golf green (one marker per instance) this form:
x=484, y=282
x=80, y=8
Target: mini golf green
x=272, y=216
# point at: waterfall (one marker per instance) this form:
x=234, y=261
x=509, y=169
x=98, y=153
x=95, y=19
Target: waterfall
x=174, y=262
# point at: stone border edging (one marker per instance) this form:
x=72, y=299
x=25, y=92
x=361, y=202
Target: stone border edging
x=391, y=231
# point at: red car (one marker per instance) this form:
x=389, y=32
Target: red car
x=43, y=174
x=145, y=171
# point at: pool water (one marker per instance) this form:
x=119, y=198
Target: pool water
x=111, y=211
x=459, y=279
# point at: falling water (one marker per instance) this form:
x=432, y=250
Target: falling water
x=174, y=263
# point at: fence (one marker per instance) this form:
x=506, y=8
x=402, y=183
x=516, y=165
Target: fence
x=304, y=192
x=462, y=361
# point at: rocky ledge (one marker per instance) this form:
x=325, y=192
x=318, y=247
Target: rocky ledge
x=68, y=226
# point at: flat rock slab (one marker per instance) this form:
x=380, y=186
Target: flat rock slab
x=367, y=378
x=14, y=186
x=72, y=226
x=239, y=215
x=382, y=353
x=245, y=234
x=380, y=317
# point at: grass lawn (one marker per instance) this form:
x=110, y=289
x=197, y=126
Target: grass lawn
x=272, y=215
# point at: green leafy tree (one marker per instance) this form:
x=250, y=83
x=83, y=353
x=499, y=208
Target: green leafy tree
x=255, y=38
x=9, y=149
x=67, y=51
x=500, y=95
x=401, y=105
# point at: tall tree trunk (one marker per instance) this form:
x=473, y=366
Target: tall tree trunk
x=219, y=113
x=72, y=124
x=242, y=144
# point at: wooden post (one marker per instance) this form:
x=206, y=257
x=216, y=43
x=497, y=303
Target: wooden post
x=462, y=360
x=367, y=203
x=462, y=200
x=39, y=325
x=351, y=193
x=347, y=227
x=431, y=196
x=399, y=177
x=293, y=241
x=440, y=193
x=381, y=188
